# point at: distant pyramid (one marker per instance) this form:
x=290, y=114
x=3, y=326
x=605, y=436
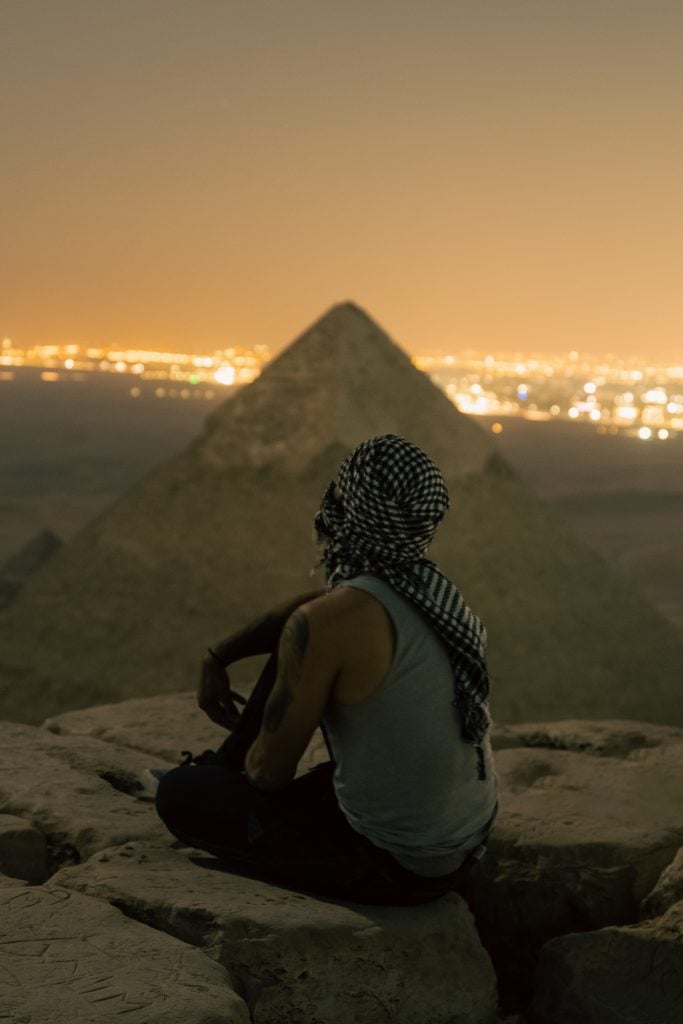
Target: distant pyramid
x=24, y=563
x=223, y=530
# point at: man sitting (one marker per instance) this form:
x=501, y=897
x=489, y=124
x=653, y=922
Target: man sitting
x=390, y=662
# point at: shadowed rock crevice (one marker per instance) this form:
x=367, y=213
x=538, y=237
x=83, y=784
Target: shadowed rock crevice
x=611, y=738
x=195, y=926
x=617, y=975
x=60, y=854
x=578, y=847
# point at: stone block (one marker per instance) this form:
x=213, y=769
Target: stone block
x=629, y=975
x=82, y=794
x=75, y=960
x=667, y=891
x=162, y=726
x=581, y=839
x=299, y=959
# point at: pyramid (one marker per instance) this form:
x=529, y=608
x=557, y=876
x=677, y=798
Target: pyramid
x=222, y=531
x=28, y=560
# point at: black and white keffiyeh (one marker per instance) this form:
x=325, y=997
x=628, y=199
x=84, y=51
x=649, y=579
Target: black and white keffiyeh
x=380, y=516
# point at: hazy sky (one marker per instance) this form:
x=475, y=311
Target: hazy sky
x=474, y=173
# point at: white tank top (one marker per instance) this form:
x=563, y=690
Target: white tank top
x=404, y=777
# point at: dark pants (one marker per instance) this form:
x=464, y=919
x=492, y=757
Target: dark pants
x=296, y=836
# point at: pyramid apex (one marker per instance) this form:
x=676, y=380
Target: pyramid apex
x=341, y=381
x=342, y=328
x=344, y=313
x=351, y=307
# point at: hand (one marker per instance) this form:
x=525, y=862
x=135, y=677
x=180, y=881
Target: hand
x=214, y=695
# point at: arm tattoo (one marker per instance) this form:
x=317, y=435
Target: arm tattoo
x=293, y=647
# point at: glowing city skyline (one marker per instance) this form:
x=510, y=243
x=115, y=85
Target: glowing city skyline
x=633, y=396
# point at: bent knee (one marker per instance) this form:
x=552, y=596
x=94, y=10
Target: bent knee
x=173, y=796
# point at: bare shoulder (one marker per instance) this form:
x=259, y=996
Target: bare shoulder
x=358, y=634
x=348, y=616
x=342, y=605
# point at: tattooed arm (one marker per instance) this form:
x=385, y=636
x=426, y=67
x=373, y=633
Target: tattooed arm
x=214, y=695
x=307, y=667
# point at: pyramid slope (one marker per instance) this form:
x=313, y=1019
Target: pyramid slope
x=224, y=529
x=342, y=379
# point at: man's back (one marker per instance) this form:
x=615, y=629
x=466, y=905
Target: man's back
x=405, y=778
x=363, y=637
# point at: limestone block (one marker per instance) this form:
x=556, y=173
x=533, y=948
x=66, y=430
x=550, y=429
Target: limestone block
x=79, y=792
x=69, y=959
x=580, y=840
x=629, y=975
x=667, y=891
x=163, y=726
x=23, y=850
x=298, y=959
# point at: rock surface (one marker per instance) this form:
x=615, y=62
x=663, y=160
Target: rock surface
x=590, y=817
x=162, y=726
x=300, y=959
x=290, y=957
x=78, y=792
x=581, y=839
x=74, y=960
x=608, y=738
x=630, y=975
x=667, y=891
x=588, y=841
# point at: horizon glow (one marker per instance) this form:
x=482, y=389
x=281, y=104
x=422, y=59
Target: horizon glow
x=499, y=177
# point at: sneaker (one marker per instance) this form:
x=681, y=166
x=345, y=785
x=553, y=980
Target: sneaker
x=206, y=757
x=149, y=780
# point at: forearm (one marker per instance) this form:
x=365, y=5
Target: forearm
x=262, y=635
x=257, y=774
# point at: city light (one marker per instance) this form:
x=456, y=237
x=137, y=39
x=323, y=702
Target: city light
x=610, y=394
x=627, y=413
x=605, y=393
x=225, y=375
x=656, y=396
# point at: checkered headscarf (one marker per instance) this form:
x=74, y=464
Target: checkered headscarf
x=393, y=498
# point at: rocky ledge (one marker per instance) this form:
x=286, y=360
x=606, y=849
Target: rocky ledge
x=576, y=913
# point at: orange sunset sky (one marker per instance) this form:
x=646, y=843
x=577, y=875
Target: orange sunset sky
x=493, y=174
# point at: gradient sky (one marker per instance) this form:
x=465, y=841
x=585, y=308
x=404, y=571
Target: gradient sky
x=494, y=174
